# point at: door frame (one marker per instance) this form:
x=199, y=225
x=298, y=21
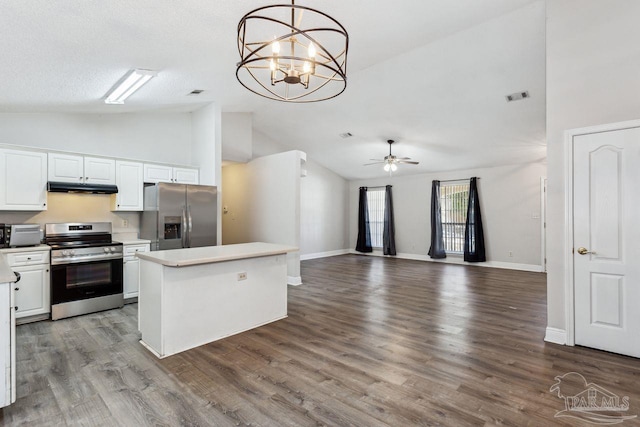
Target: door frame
x=569, y=135
x=543, y=224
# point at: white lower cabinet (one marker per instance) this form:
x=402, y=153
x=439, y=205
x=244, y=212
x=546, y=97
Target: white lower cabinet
x=131, y=269
x=33, y=291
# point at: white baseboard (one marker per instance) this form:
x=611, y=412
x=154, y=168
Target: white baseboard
x=556, y=336
x=294, y=281
x=324, y=254
x=459, y=261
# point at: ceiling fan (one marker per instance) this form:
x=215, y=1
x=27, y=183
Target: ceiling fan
x=391, y=162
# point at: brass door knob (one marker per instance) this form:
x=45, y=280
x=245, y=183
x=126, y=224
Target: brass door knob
x=584, y=251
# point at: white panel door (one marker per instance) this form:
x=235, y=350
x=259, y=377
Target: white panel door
x=131, y=277
x=99, y=170
x=606, y=235
x=66, y=168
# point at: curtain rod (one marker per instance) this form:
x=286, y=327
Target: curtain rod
x=461, y=179
x=379, y=186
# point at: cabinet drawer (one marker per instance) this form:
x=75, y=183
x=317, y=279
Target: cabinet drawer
x=130, y=250
x=17, y=259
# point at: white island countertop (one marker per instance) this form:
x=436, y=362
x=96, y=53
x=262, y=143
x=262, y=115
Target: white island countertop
x=210, y=254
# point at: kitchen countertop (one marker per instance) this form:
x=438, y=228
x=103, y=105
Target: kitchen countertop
x=133, y=241
x=129, y=239
x=6, y=274
x=211, y=254
x=26, y=249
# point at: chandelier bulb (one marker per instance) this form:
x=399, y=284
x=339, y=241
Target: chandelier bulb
x=312, y=50
x=275, y=47
x=306, y=67
x=387, y=167
x=394, y=167
x=272, y=65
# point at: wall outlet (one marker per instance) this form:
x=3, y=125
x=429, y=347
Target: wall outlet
x=125, y=223
x=510, y=254
x=242, y=276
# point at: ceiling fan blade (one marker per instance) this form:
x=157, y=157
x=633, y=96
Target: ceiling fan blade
x=377, y=160
x=407, y=162
x=376, y=163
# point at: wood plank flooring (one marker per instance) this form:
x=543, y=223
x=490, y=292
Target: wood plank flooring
x=368, y=342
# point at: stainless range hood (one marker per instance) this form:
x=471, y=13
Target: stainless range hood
x=72, y=187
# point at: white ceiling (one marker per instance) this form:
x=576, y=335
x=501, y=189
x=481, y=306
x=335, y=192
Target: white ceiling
x=431, y=74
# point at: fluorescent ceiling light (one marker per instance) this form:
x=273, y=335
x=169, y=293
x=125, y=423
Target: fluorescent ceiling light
x=132, y=82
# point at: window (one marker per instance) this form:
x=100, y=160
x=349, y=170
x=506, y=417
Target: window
x=454, y=199
x=375, y=203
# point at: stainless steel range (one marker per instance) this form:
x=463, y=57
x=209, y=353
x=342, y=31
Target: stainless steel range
x=86, y=268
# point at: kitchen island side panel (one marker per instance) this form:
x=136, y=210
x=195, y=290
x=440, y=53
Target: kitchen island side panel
x=150, y=304
x=206, y=302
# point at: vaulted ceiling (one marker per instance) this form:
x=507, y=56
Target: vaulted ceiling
x=431, y=74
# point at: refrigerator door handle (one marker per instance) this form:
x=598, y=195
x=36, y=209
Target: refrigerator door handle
x=183, y=226
x=190, y=226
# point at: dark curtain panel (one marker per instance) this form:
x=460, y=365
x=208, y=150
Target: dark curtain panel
x=437, y=239
x=364, y=233
x=473, y=234
x=389, y=231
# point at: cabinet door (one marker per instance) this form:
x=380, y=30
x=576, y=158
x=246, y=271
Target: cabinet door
x=157, y=173
x=130, y=196
x=98, y=170
x=66, y=168
x=23, y=180
x=185, y=175
x=33, y=294
x=131, y=279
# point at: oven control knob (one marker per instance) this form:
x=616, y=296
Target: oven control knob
x=65, y=253
x=113, y=249
x=72, y=252
x=106, y=250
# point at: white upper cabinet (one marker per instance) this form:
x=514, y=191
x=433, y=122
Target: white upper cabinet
x=99, y=170
x=163, y=173
x=130, y=196
x=185, y=175
x=23, y=180
x=157, y=173
x=81, y=169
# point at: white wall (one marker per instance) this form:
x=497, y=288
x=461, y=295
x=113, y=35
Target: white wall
x=206, y=146
x=160, y=137
x=237, y=136
x=324, y=211
x=268, y=189
x=509, y=200
x=593, y=64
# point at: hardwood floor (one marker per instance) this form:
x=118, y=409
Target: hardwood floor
x=369, y=341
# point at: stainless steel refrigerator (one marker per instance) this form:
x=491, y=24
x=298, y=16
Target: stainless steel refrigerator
x=179, y=216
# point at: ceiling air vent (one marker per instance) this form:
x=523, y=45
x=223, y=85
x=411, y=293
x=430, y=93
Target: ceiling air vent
x=517, y=96
x=346, y=135
x=195, y=92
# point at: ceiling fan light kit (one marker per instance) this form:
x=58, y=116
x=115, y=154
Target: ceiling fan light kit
x=391, y=162
x=292, y=53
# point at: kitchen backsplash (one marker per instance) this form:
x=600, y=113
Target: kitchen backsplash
x=69, y=207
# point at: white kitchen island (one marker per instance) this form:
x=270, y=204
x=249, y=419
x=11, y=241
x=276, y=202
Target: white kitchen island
x=190, y=297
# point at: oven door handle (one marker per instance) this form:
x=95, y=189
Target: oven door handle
x=183, y=226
